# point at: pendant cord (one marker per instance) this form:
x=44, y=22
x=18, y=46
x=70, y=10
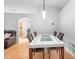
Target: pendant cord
x=44, y=5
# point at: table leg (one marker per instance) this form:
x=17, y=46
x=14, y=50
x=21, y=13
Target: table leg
x=62, y=52
x=30, y=53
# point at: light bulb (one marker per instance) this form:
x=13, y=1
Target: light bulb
x=44, y=14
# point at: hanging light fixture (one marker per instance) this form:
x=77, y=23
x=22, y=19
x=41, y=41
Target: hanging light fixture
x=43, y=11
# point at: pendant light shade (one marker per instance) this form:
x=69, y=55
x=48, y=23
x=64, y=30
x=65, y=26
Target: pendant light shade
x=43, y=11
x=44, y=14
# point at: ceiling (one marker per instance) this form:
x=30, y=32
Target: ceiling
x=32, y=3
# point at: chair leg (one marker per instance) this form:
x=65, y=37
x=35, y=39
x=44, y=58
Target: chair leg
x=59, y=53
x=34, y=53
x=49, y=53
x=43, y=54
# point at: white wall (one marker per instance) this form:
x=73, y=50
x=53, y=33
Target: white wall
x=67, y=23
x=44, y=26
x=37, y=22
x=11, y=22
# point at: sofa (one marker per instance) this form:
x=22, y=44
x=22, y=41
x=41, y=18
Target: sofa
x=9, y=38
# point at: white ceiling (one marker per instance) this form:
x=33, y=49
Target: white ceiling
x=22, y=4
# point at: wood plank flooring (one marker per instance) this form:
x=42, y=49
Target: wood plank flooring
x=21, y=51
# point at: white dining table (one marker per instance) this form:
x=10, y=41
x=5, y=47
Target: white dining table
x=46, y=41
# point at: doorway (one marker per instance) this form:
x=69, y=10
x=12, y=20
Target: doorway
x=23, y=26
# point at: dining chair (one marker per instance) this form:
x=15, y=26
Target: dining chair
x=30, y=37
x=38, y=49
x=55, y=33
x=55, y=48
x=35, y=33
x=60, y=36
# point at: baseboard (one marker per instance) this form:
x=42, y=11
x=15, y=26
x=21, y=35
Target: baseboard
x=70, y=52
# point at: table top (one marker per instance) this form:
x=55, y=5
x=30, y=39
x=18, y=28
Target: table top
x=45, y=41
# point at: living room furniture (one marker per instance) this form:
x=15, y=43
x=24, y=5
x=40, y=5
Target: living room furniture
x=9, y=40
x=46, y=41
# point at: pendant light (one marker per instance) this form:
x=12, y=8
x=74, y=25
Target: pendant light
x=43, y=11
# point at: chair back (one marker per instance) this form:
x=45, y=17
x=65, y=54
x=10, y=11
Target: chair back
x=60, y=36
x=30, y=37
x=55, y=33
x=35, y=34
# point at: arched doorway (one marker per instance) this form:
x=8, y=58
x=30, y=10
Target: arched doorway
x=23, y=26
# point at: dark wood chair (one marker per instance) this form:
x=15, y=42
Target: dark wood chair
x=56, y=49
x=60, y=36
x=35, y=33
x=55, y=33
x=30, y=37
x=38, y=49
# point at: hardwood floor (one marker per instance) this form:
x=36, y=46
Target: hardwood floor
x=21, y=51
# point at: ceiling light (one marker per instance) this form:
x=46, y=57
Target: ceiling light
x=43, y=11
x=44, y=14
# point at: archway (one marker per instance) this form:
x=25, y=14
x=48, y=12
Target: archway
x=23, y=26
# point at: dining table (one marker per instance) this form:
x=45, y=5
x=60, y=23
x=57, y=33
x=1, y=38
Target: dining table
x=46, y=41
